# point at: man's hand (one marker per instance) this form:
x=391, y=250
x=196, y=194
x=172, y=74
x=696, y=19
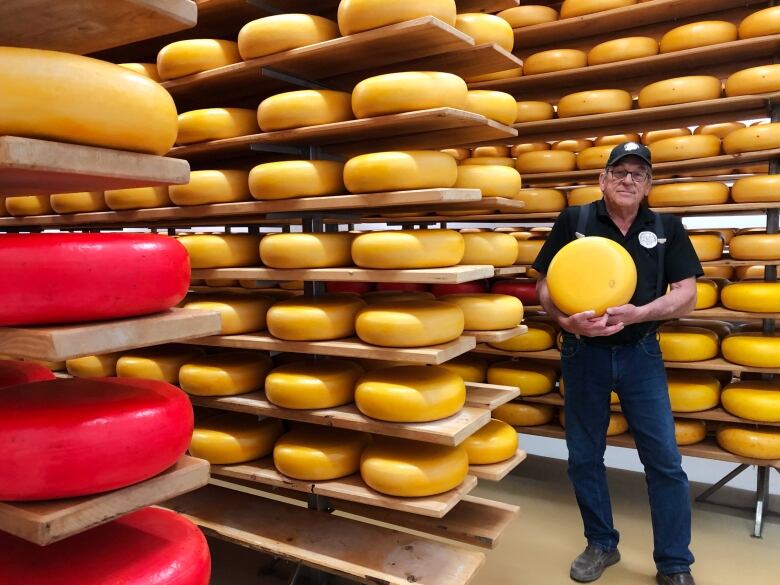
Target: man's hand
x=625, y=315
x=588, y=325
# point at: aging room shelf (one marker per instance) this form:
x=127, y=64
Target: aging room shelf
x=497, y=471
x=45, y=522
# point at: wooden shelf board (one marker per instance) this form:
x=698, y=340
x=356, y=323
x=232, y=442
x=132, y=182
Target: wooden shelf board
x=86, y=26
x=434, y=128
x=497, y=336
x=351, y=488
x=31, y=166
x=350, y=347
x=509, y=270
x=46, y=522
x=489, y=396
x=61, y=342
x=362, y=552
x=729, y=315
x=449, y=431
x=726, y=261
x=497, y=471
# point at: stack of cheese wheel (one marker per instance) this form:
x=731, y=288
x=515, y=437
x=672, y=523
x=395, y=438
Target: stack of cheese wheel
x=573, y=8
x=761, y=23
x=688, y=194
x=306, y=250
x=315, y=453
x=137, y=198
x=622, y=49
x=408, y=249
x=290, y=179
x=15, y=372
x=747, y=441
x=688, y=344
x=752, y=297
x=707, y=244
x=82, y=202
x=763, y=79
x=355, y=16
x=689, y=432
x=156, y=363
x=763, y=137
x=305, y=107
x=539, y=337
x=314, y=318
x=394, y=93
x=757, y=350
x=532, y=378
x=409, y=323
x=554, y=60
x=222, y=250
x=755, y=246
x=225, y=374
x=541, y=200
x=306, y=384
x=693, y=391
x=282, y=32
x=93, y=366
x=523, y=414
x=216, y=123
x=698, y=34
x=595, y=101
x=231, y=438
x=184, y=58
x=533, y=111
x=757, y=400
x=470, y=367
x=212, y=186
x=584, y=195
x=487, y=311
x=239, y=313
x=399, y=467
x=680, y=90
x=520, y=16
x=493, y=443
x=492, y=248
x=400, y=170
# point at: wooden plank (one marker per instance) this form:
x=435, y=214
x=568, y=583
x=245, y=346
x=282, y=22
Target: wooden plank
x=496, y=336
x=350, y=347
x=86, y=26
x=31, y=166
x=45, y=522
x=726, y=261
x=497, y=471
x=489, y=396
x=359, y=551
x=351, y=488
x=452, y=430
x=62, y=342
x=509, y=270
x=730, y=315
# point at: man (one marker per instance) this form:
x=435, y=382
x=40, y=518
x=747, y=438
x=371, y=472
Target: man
x=620, y=351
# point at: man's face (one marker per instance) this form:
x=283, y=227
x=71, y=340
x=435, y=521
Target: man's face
x=623, y=188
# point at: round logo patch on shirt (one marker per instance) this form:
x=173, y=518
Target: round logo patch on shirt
x=648, y=239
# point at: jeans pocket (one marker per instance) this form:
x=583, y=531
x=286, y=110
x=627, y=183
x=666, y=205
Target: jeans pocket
x=650, y=346
x=570, y=346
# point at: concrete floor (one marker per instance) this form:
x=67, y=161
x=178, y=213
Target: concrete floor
x=538, y=548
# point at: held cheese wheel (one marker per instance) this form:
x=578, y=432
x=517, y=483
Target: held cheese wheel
x=156, y=363
x=296, y=178
x=595, y=101
x=546, y=161
x=753, y=297
x=410, y=323
x=15, y=372
x=689, y=432
x=486, y=29
x=521, y=414
x=495, y=442
x=355, y=16
x=408, y=249
x=470, y=367
x=755, y=189
x=487, y=311
x=760, y=23
x=110, y=106
x=496, y=105
x=495, y=249
x=757, y=400
x=685, y=148
x=91, y=424
x=315, y=453
x=680, y=90
x=591, y=274
x=394, y=93
x=211, y=186
x=282, y=32
x=400, y=170
x=83, y=202
x=693, y=391
x=622, y=50
x=314, y=318
x=757, y=246
x=137, y=198
x=224, y=374
x=399, y=467
x=708, y=246
x=541, y=200
x=222, y=250
x=685, y=194
x=706, y=293
x=764, y=137
x=533, y=379
x=533, y=111
x=26, y=205
x=491, y=180
x=167, y=549
x=757, y=350
x=305, y=107
x=687, y=344
x=94, y=366
x=754, y=442
x=584, y=195
x=302, y=250
x=594, y=157
x=313, y=384
x=238, y=313
x=216, y=123
x=698, y=34
x=762, y=79
x=540, y=336
x=183, y=58
x=116, y=275
x=572, y=8
x=410, y=394
x=554, y=60
x=227, y=439
x=146, y=69
x=520, y=16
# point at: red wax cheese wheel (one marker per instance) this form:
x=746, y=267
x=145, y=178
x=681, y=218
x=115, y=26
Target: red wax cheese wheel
x=525, y=290
x=14, y=372
x=73, y=437
x=66, y=278
x=149, y=547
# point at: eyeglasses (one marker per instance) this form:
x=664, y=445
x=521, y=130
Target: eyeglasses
x=639, y=176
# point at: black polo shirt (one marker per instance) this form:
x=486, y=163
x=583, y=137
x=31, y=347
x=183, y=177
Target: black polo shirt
x=680, y=260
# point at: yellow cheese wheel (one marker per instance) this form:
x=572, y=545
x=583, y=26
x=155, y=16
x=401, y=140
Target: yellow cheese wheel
x=110, y=106
x=546, y=161
x=572, y=8
x=720, y=130
x=763, y=79
x=726, y=272
x=82, y=202
x=301, y=250
x=554, y=60
x=296, y=178
x=313, y=384
x=394, y=93
x=763, y=137
x=225, y=374
x=495, y=442
x=533, y=111
x=314, y=318
x=706, y=294
x=688, y=344
x=93, y=366
x=686, y=194
x=408, y=249
x=222, y=250
x=22, y=205
x=756, y=246
x=591, y=274
x=755, y=272
x=137, y=198
x=216, y=123
x=540, y=336
x=400, y=170
x=410, y=323
x=156, y=363
x=410, y=394
x=541, y=200
x=358, y=15
x=146, y=69
x=305, y=107
x=505, y=74
x=239, y=313
x=233, y=438
x=528, y=250
x=594, y=157
x=708, y=246
x=533, y=379
x=680, y=90
x=315, y=453
x=459, y=154
x=195, y=55
x=761, y=23
x=492, y=180
x=491, y=152
x=685, y=148
x=487, y=312
x=496, y=105
x=486, y=29
x=622, y=50
x=689, y=432
x=616, y=139
x=756, y=189
x=502, y=161
x=211, y=186
x=655, y=135
x=521, y=414
x=282, y=32
x=757, y=400
x=756, y=350
x=617, y=424
x=753, y=297
x=753, y=442
x=584, y=195
x=596, y=101
x=693, y=391
x=698, y=34
x=470, y=367
x=573, y=145
x=524, y=147
x=492, y=248
x=521, y=16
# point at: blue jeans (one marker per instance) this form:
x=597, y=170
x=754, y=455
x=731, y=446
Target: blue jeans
x=636, y=372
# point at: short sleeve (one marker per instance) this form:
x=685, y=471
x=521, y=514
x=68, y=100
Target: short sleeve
x=680, y=261
x=560, y=235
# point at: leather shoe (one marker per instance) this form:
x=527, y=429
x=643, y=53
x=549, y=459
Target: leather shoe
x=675, y=579
x=591, y=563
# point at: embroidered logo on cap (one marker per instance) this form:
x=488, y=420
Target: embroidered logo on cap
x=631, y=146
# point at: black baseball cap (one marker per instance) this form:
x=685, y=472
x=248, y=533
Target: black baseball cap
x=625, y=149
